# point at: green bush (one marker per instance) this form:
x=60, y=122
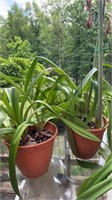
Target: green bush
x=13, y=66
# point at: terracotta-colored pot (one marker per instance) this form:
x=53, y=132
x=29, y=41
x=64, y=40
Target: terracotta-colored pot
x=86, y=148
x=33, y=161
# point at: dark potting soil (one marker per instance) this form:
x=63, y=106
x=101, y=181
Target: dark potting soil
x=91, y=124
x=35, y=137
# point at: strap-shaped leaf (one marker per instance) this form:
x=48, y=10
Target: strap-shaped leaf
x=4, y=131
x=103, y=152
x=96, y=191
x=58, y=70
x=11, y=101
x=97, y=177
x=12, y=155
x=94, y=102
x=29, y=89
x=10, y=115
x=50, y=98
x=15, y=103
x=109, y=130
x=88, y=164
x=7, y=107
x=30, y=73
x=2, y=117
x=48, y=61
x=79, y=130
x=85, y=81
x=7, y=78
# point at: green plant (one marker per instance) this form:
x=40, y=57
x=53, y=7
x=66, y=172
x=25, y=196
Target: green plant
x=21, y=107
x=82, y=101
x=79, y=100
x=98, y=183
x=13, y=66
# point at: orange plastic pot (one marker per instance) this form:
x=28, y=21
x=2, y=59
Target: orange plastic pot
x=33, y=161
x=85, y=148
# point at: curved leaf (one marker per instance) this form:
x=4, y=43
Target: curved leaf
x=12, y=155
x=84, y=83
x=30, y=73
x=96, y=191
x=97, y=177
x=7, y=78
x=29, y=89
x=4, y=131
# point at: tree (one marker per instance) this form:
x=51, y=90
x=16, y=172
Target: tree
x=17, y=23
x=37, y=23
x=59, y=30
x=19, y=48
x=81, y=41
x=55, y=30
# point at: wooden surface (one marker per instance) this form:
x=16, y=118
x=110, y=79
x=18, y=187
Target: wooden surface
x=6, y=191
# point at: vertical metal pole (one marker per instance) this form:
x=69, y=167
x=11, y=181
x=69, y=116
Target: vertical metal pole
x=111, y=68
x=100, y=62
x=67, y=156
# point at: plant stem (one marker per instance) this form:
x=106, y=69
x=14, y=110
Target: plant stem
x=100, y=63
x=95, y=54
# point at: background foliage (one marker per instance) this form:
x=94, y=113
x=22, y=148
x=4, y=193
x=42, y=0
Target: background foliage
x=58, y=31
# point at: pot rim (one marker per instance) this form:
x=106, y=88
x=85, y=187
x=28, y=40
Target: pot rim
x=39, y=144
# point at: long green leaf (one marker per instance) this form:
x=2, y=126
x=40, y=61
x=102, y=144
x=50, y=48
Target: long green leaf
x=98, y=176
x=109, y=129
x=96, y=191
x=102, y=173
x=93, y=105
x=103, y=152
x=2, y=117
x=72, y=141
x=30, y=73
x=84, y=83
x=79, y=130
x=47, y=61
x=29, y=89
x=12, y=155
x=58, y=70
x=70, y=82
x=7, y=78
x=88, y=165
x=6, y=99
x=60, y=85
x=11, y=101
x=51, y=92
x=15, y=103
x=4, y=131
x=10, y=115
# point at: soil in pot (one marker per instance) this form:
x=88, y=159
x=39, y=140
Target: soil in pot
x=34, y=136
